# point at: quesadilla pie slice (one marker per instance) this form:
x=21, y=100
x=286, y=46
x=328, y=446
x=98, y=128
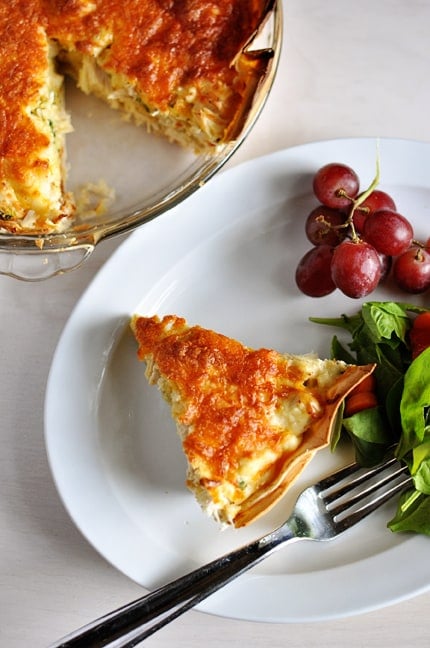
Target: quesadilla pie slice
x=249, y=420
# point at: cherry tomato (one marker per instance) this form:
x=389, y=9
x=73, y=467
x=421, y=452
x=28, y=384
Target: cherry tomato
x=419, y=335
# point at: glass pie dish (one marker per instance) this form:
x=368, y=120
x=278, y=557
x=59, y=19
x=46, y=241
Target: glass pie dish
x=129, y=175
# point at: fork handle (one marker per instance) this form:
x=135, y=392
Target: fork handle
x=131, y=623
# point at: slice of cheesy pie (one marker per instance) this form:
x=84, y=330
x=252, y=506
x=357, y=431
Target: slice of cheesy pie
x=249, y=420
x=181, y=67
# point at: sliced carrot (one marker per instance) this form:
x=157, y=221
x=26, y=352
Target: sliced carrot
x=366, y=385
x=359, y=401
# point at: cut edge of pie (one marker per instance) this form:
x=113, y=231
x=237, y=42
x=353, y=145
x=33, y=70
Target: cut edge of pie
x=135, y=57
x=250, y=420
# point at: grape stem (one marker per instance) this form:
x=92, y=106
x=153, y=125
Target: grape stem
x=362, y=197
x=419, y=256
x=356, y=202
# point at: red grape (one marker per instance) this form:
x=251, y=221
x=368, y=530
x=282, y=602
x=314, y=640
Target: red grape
x=356, y=268
x=313, y=275
x=359, y=218
x=322, y=226
x=411, y=270
x=376, y=201
x=386, y=263
x=358, y=244
x=335, y=185
x=389, y=232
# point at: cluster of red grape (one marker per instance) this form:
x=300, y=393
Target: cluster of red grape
x=359, y=239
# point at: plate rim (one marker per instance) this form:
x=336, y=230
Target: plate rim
x=124, y=255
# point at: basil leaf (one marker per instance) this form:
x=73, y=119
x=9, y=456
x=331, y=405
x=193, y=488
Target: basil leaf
x=385, y=319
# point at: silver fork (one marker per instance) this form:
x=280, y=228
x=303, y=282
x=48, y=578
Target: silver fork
x=322, y=512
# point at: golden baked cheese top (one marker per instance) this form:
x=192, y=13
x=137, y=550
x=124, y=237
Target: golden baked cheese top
x=178, y=66
x=159, y=44
x=231, y=396
x=19, y=79
x=243, y=414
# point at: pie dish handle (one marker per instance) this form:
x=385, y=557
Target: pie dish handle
x=38, y=264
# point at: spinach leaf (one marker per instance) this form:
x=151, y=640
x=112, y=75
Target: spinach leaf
x=339, y=352
x=369, y=435
x=337, y=427
x=413, y=513
x=415, y=404
x=380, y=334
x=344, y=321
x=392, y=409
x=422, y=477
x=387, y=372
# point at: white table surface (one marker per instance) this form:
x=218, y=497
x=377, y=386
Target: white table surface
x=348, y=69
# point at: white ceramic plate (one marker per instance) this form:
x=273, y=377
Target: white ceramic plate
x=225, y=259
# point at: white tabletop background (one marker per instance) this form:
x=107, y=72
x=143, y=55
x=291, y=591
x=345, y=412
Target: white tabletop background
x=348, y=69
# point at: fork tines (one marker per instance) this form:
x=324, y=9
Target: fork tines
x=348, y=503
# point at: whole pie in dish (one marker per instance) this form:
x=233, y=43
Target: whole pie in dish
x=250, y=420
x=182, y=68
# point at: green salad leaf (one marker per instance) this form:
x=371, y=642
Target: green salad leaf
x=413, y=513
x=369, y=434
x=379, y=334
x=415, y=405
x=386, y=321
